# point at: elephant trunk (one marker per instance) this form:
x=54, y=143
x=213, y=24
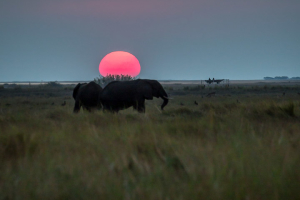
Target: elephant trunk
x=164, y=96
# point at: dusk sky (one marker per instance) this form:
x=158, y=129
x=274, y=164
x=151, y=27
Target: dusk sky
x=65, y=40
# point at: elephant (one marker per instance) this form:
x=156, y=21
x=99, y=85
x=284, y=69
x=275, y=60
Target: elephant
x=86, y=95
x=119, y=95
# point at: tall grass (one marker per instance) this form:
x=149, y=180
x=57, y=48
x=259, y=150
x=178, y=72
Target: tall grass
x=220, y=149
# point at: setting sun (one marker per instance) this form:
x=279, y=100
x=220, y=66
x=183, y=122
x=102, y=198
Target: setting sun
x=119, y=62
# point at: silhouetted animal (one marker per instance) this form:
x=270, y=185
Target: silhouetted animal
x=86, y=95
x=196, y=103
x=64, y=103
x=119, y=95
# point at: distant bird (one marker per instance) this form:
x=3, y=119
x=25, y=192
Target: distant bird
x=283, y=93
x=52, y=103
x=196, y=103
x=64, y=103
x=181, y=104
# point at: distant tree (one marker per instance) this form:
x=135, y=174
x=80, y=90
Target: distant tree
x=53, y=84
x=277, y=78
x=268, y=78
x=104, y=80
x=295, y=78
x=281, y=77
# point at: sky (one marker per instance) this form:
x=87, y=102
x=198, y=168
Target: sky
x=65, y=40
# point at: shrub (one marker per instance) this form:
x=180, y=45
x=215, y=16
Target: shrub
x=197, y=88
x=52, y=84
x=186, y=88
x=104, y=80
x=169, y=88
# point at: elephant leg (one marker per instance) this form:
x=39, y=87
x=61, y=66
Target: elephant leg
x=88, y=109
x=99, y=106
x=114, y=111
x=140, y=106
x=142, y=109
x=108, y=109
x=76, y=107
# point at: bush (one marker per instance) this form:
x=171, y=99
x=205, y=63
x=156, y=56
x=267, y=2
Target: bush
x=169, y=88
x=53, y=84
x=186, y=88
x=104, y=80
x=197, y=88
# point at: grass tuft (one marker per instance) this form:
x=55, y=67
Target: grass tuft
x=17, y=145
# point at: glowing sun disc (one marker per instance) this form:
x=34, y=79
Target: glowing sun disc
x=119, y=62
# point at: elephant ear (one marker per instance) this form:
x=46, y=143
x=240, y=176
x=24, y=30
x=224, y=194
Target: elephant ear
x=156, y=87
x=146, y=90
x=75, y=90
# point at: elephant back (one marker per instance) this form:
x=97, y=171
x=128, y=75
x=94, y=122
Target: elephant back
x=75, y=90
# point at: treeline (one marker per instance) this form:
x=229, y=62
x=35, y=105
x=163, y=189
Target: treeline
x=281, y=78
x=104, y=80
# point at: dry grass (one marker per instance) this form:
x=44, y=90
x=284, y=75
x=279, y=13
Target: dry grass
x=219, y=149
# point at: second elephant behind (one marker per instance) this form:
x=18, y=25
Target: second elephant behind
x=119, y=95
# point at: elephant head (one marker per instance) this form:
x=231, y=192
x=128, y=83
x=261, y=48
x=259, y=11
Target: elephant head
x=152, y=88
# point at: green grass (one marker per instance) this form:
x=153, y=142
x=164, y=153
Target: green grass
x=220, y=149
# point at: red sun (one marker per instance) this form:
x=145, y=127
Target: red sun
x=119, y=62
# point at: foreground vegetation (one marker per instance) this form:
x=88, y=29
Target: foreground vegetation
x=229, y=146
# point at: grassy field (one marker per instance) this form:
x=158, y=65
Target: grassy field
x=242, y=143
